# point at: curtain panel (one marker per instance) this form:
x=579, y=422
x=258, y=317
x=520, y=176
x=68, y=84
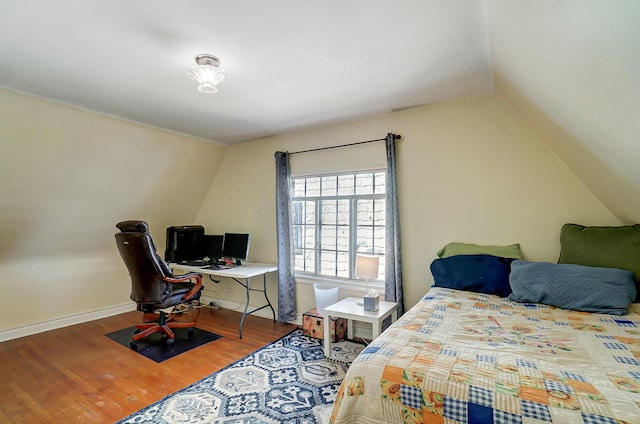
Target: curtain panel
x=286, y=278
x=393, y=256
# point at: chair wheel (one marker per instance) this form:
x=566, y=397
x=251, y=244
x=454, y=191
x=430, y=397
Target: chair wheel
x=189, y=332
x=136, y=331
x=133, y=345
x=170, y=341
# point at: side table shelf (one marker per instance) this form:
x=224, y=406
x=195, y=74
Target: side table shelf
x=348, y=308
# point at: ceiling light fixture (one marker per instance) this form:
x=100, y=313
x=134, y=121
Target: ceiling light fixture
x=207, y=73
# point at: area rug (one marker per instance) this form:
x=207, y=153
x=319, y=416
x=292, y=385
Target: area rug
x=287, y=381
x=155, y=348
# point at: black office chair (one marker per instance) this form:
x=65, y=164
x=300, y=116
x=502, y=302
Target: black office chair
x=153, y=285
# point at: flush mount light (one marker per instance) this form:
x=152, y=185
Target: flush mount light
x=207, y=73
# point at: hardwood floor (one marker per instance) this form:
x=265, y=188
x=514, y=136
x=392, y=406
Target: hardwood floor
x=78, y=375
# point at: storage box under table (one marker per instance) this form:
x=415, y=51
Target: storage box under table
x=313, y=326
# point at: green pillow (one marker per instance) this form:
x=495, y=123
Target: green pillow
x=609, y=247
x=452, y=249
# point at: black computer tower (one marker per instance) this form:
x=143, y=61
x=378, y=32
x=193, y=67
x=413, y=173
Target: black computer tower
x=178, y=236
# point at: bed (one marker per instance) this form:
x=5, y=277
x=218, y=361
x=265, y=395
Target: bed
x=464, y=356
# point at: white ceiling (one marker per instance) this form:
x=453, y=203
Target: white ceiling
x=291, y=64
x=569, y=68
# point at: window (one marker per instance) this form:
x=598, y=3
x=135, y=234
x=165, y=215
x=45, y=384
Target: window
x=336, y=216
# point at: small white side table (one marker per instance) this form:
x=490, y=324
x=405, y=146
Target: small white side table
x=348, y=308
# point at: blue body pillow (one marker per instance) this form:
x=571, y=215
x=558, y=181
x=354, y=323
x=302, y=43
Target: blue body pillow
x=577, y=287
x=478, y=273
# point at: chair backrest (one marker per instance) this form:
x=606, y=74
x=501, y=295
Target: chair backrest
x=146, y=268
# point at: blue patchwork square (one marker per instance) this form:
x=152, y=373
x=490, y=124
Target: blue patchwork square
x=602, y=336
x=480, y=414
x=627, y=360
x=625, y=322
x=370, y=350
x=616, y=346
x=527, y=364
x=535, y=410
x=486, y=359
x=455, y=409
x=411, y=396
x=574, y=377
x=596, y=419
x=503, y=417
x=558, y=387
x=480, y=396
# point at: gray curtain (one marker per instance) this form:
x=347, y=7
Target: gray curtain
x=286, y=280
x=393, y=256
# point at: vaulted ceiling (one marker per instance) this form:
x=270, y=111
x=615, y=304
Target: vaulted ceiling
x=570, y=68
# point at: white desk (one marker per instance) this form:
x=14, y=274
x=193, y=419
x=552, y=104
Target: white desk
x=348, y=308
x=238, y=273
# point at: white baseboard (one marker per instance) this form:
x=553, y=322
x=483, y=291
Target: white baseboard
x=41, y=327
x=28, y=330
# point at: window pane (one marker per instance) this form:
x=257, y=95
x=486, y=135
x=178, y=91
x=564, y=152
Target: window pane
x=378, y=240
x=297, y=211
x=329, y=185
x=381, y=268
x=343, y=212
x=313, y=187
x=327, y=263
x=365, y=212
x=343, y=265
x=298, y=187
x=298, y=236
x=378, y=212
x=380, y=181
x=328, y=237
x=299, y=260
x=329, y=211
x=343, y=239
x=346, y=185
x=365, y=240
x=309, y=212
x=310, y=236
x=309, y=260
x=364, y=183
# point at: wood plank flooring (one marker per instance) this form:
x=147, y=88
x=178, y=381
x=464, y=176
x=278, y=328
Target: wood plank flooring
x=78, y=375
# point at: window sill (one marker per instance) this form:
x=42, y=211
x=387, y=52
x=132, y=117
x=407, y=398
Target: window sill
x=353, y=285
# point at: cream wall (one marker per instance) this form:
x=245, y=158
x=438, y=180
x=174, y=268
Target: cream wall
x=67, y=176
x=468, y=170
x=571, y=69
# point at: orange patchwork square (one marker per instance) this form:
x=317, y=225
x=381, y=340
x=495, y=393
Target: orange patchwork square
x=582, y=388
x=392, y=374
x=431, y=418
x=534, y=395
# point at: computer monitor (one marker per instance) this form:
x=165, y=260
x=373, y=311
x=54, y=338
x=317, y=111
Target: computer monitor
x=178, y=236
x=211, y=246
x=236, y=246
x=189, y=248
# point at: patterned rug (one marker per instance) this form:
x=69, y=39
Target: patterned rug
x=287, y=381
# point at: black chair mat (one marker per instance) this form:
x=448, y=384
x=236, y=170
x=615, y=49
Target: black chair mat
x=155, y=347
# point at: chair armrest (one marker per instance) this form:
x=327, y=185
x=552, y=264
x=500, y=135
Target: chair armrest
x=187, y=277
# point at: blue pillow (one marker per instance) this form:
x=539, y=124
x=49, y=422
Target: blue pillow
x=577, y=287
x=478, y=273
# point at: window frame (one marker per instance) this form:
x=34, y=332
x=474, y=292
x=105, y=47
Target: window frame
x=351, y=281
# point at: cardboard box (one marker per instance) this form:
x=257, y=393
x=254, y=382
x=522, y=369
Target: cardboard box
x=313, y=326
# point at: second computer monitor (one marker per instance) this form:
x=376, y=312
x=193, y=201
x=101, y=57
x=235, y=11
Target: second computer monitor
x=236, y=246
x=211, y=246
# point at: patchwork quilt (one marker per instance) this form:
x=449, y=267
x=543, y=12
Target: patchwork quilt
x=464, y=357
